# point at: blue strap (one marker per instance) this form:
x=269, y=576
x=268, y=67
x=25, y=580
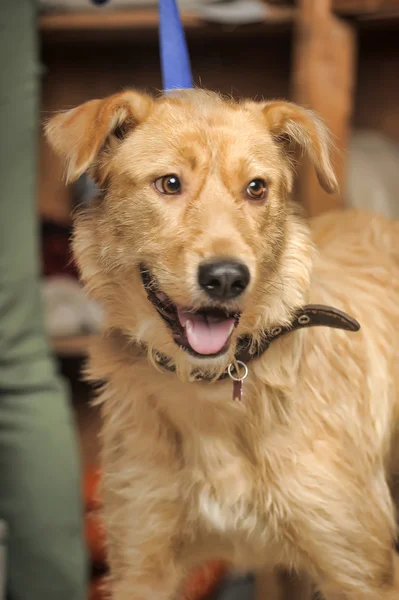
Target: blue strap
x=175, y=60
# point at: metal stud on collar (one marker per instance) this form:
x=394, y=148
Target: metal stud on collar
x=303, y=319
x=276, y=331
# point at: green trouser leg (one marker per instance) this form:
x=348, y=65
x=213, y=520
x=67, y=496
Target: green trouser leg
x=39, y=470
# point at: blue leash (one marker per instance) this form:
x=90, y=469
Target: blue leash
x=175, y=60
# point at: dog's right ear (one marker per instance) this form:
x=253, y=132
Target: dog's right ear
x=78, y=135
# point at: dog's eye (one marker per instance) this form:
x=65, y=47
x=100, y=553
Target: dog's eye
x=257, y=189
x=169, y=184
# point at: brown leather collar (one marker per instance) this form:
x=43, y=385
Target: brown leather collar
x=312, y=315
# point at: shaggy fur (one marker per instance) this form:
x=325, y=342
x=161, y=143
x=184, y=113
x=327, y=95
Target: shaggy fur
x=297, y=474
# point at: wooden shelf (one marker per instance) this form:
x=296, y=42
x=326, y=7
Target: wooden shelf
x=113, y=24
x=365, y=7
x=106, y=20
x=72, y=347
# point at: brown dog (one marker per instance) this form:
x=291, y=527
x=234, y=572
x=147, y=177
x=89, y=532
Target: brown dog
x=192, y=247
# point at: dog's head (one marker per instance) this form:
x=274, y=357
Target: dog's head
x=192, y=242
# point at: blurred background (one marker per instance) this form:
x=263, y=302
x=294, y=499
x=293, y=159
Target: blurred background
x=339, y=57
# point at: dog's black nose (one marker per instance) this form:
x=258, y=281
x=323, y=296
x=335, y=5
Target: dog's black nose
x=223, y=279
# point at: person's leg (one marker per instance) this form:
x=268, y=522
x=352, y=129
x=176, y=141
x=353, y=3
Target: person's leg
x=39, y=473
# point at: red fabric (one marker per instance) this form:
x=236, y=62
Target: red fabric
x=94, y=530
x=90, y=491
x=204, y=581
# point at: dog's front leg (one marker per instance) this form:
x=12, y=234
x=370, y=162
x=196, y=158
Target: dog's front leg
x=143, y=555
x=386, y=588
x=156, y=577
x=143, y=508
x=350, y=548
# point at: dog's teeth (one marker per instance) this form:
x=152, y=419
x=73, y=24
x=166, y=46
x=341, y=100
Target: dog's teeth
x=231, y=329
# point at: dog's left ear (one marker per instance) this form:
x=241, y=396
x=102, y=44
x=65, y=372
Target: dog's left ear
x=290, y=123
x=79, y=135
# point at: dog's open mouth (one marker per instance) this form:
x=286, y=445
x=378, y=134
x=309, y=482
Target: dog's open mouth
x=203, y=333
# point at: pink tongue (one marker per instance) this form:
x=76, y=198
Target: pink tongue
x=205, y=336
